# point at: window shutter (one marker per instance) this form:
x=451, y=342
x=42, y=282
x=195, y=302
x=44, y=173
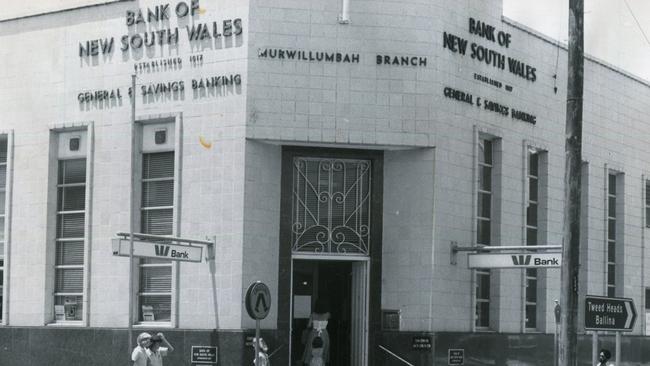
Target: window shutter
x=72, y=198
x=158, y=165
x=72, y=171
x=3, y=176
x=156, y=279
x=69, y=280
x=162, y=306
x=158, y=193
x=157, y=222
x=70, y=225
x=70, y=253
x=157, y=214
x=3, y=150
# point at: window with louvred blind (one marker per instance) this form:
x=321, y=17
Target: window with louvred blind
x=70, y=230
x=156, y=217
x=3, y=198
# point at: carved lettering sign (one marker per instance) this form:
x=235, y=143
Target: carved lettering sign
x=487, y=55
x=157, y=17
x=150, y=35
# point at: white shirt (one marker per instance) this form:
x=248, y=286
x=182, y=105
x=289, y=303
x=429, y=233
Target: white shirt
x=139, y=356
x=156, y=357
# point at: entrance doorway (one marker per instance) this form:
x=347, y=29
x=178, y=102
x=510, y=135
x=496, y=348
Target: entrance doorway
x=339, y=286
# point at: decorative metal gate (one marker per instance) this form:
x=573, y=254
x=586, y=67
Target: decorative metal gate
x=330, y=206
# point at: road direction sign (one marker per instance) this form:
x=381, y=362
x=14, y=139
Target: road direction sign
x=258, y=300
x=514, y=260
x=609, y=313
x=151, y=249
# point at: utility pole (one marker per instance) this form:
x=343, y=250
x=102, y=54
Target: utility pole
x=572, y=188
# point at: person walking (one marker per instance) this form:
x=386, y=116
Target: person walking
x=317, y=327
x=155, y=352
x=603, y=358
x=139, y=353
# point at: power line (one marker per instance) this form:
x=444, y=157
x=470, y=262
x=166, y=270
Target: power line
x=637, y=21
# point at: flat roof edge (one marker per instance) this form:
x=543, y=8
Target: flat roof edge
x=563, y=46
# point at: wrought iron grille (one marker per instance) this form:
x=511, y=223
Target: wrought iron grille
x=331, y=206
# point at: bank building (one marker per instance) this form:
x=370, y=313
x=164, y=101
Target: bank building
x=339, y=151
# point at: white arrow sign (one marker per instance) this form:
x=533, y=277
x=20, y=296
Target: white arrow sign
x=630, y=317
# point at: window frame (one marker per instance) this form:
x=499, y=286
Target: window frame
x=647, y=202
x=611, y=239
x=58, y=240
x=7, y=137
x=172, y=144
x=483, y=321
x=143, y=264
x=59, y=133
x=531, y=275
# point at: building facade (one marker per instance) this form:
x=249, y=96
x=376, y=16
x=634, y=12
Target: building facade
x=335, y=150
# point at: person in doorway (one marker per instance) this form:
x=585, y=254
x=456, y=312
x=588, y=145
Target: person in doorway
x=155, y=352
x=317, y=327
x=603, y=358
x=317, y=352
x=262, y=355
x=139, y=353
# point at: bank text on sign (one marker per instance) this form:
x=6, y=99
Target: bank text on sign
x=514, y=260
x=150, y=249
x=609, y=313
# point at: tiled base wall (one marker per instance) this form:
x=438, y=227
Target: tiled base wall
x=32, y=346
x=503, y=349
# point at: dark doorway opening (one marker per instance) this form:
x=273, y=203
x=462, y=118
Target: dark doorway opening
x=330, y=281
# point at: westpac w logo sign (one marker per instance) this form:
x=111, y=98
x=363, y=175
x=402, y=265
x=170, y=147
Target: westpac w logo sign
x=514, y=260
x=521, y=260
x=175, y=252
x=162, y=250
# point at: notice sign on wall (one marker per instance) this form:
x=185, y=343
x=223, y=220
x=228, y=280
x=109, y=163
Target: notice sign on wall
x=204, y=354
x=456, y=356
x=421, y=343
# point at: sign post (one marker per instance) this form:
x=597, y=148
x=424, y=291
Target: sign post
x=609, y=313
x=558, y=313
x=258, y=304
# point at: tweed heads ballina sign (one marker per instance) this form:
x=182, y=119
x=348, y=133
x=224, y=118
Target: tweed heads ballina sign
x=609, y=313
